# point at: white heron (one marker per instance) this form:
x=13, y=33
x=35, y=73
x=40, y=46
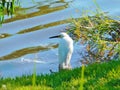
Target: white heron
x=65, y=50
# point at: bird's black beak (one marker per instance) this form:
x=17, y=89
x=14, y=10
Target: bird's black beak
x=58, y=36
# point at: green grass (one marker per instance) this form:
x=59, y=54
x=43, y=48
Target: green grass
x=82, y=78
x=105, y=76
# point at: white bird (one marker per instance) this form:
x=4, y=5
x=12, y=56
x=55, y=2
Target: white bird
x=65, y=50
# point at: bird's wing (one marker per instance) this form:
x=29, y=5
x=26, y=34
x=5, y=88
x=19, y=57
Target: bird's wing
x=65, y=55
x=62, y=54
x=68, y=56
x=65, y=51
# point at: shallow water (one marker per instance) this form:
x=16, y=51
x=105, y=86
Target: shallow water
x=39, y=19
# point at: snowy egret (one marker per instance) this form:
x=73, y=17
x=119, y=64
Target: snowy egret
x=65, y=50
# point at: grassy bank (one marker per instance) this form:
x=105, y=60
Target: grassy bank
x=105, y=76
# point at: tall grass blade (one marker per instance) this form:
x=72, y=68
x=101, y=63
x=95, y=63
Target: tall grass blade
x=34, y=72
x=82, y=77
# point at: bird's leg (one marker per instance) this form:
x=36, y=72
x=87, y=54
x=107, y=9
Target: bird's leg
x=69, y=66
x=63, y=66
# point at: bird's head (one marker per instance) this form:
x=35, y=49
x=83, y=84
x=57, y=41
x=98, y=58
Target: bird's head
x=62, y=35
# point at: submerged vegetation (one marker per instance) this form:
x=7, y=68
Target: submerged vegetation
x=104, y=76
x=4, y=35
x=25, y=51
x=42, y=26
x=23, y=14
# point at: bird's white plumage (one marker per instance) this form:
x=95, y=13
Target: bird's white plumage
x=65, y=50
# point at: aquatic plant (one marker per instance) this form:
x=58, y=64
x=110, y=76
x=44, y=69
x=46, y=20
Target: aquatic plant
x=100, y=34
x=7, y=7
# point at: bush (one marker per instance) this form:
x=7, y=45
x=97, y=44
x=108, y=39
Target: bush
x=101, y=35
